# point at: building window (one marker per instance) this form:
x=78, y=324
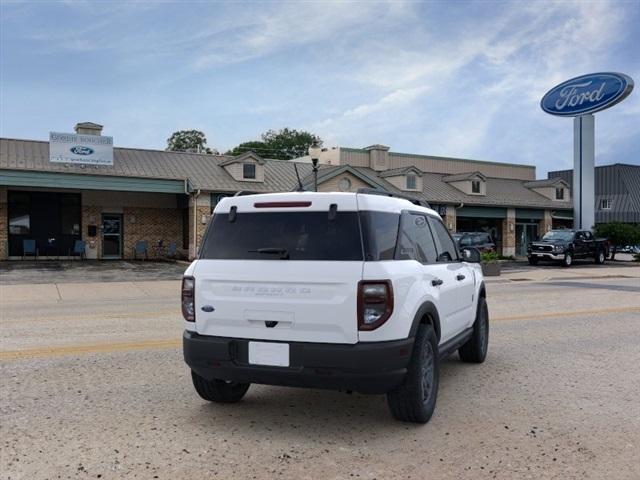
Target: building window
x=475, y=186
x=605, y=204
x=560, y=193
x=249, y=170
x=344, y=184
x=19, y=213
x=411, y=182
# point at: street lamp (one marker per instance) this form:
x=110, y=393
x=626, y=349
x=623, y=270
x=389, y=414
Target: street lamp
x=314, y=153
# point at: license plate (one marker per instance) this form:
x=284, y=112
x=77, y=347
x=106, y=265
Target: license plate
x=267, y=353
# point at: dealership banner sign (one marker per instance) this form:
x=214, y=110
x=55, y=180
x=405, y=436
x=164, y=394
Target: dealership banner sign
x=80, y=149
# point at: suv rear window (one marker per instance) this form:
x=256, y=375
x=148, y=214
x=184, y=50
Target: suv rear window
x=279, y=235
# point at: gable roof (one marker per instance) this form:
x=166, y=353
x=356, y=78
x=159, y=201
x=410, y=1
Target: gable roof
x=547, y=182
x=243, y=157
x=395, y=172
x=206, y=172
x=327, y=172
x=459, y=177
x=203, y=171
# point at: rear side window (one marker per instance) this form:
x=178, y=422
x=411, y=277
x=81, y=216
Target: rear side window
x=447, y=251
x=283, y=235
x=379, y=234
x=415, y=241
x=482, y=239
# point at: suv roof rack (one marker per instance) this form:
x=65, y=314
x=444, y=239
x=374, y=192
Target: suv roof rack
x=384, y=193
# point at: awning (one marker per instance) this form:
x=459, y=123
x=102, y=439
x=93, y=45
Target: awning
x=29, y=178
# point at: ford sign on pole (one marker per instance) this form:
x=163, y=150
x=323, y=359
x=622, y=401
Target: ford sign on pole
x=587, y=94
x=80, y=149
x=580, y=97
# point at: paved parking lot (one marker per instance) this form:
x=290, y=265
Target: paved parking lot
x=93, y=386
x=88, y=271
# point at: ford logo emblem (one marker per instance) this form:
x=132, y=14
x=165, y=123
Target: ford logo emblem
x=78, y=150
x=587, y=94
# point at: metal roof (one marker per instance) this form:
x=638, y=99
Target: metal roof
x=500, y=191
x=619, y=183
x=203, y=171
x=547, y=182
x=464, y=176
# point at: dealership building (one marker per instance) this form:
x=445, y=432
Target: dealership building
x=79, y=187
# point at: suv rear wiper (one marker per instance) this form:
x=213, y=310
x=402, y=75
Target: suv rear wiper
x=283, y=252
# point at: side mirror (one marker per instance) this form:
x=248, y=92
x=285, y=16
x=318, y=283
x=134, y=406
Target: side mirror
x=471, y=255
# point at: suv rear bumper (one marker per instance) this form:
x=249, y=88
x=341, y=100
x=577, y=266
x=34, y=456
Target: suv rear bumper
x=376, y=367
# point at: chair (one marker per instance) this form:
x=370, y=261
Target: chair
x=141, y=248
x=172, y=249
x=78, y=249
x=29, y=248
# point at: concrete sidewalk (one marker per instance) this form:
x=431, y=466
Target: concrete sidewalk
x=73, y=292
x=519, y=273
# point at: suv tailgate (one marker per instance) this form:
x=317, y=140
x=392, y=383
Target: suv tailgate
x=278, y=300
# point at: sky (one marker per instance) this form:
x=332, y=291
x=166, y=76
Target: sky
x=455, y=78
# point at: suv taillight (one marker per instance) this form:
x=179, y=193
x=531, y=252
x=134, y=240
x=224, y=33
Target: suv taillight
x=188, y=299
x=375, y=303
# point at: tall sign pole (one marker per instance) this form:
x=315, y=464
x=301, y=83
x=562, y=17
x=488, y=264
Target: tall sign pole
x=580, y=97
x=584, y=172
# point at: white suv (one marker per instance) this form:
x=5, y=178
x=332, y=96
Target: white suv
x=349, y=291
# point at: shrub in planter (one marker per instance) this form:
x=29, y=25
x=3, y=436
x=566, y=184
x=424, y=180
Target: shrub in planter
x=490, y=264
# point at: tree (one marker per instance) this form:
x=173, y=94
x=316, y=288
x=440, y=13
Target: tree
x=283, y=144
x=188, y=141
x=619, y=234
x=255, y=146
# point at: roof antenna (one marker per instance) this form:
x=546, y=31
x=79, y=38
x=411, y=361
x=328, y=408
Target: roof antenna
x=300, y=187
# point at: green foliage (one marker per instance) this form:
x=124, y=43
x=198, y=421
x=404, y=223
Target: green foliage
x=188, y=141
x=489, y=257
x=258, y=147
x=283, y=144
x=619, y=234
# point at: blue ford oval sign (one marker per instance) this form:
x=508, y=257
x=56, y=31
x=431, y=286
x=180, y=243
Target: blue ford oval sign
x=79, y=150
x=587, y=94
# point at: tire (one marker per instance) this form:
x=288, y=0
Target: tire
x=600, y=257
x=415, y=399
x=567, y=261
x=219, y=391
x=533, y=261
x=475, y=350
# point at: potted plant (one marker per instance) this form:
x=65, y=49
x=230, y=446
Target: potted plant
x=490, y=264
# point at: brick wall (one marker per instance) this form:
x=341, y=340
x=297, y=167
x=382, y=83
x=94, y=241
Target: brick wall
x=152, y=225
x=509, y=233
x=202, y=207
x=92, y=216
x=450, y=219
x=546, y=223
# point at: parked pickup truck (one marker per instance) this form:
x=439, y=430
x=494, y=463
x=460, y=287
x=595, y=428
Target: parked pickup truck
x=566, y=245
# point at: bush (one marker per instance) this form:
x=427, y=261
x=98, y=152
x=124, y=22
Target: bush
x=489, y=257
x=618, y=234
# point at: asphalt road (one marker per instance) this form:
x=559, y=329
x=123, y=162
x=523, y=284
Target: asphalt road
x=95, y=387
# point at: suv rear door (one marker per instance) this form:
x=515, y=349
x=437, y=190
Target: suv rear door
x=460, y=276
x=273, y=268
